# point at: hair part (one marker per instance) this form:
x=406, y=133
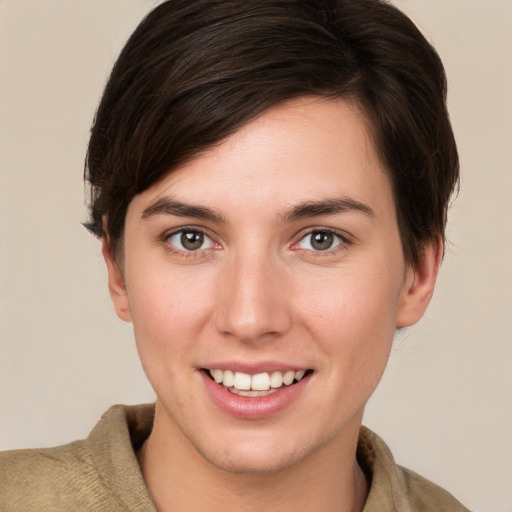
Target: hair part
x=193, y=73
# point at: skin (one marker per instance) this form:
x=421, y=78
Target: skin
x=258, y=291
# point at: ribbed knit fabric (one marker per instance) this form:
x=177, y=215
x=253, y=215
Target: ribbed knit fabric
x=101, y=473
x=397, y=489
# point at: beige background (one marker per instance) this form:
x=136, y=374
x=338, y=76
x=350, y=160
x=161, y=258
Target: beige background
x=445, y=403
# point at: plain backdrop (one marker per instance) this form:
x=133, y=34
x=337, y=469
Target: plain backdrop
x=444, y=405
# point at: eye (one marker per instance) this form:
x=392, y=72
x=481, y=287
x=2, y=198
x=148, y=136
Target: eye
x=190, y=240
x=319, y=240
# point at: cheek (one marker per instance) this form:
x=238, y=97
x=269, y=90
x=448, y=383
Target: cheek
x=353, y=325
x=168, y=310
x=352, y=313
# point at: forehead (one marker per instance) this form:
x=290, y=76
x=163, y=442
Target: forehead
x=304, y=150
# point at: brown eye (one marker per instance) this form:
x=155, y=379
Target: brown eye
x=320, y=241
x=190, y=240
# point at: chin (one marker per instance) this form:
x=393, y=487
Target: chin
x=261, y=452
x=253, y=462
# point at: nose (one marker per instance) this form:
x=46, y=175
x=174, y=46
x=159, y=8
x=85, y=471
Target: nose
x=253, y=301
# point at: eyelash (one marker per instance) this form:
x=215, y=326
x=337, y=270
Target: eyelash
x=343, y=238
x=184, y=253
x=343, y=242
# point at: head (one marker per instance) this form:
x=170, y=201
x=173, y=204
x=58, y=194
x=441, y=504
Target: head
x=270, y=180
x=194, y=73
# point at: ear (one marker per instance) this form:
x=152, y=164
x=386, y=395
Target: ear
x=419, y=284
x=116, y=285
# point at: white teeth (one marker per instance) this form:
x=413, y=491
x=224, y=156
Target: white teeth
x=288, y=377
x=276, y=380
x=242, y=381
x=260, y=382
x=228, y=378
x=255, y=385
x=299, y=375
x=241, y=392
x=217, y=375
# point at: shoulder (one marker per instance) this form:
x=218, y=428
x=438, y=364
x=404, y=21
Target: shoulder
x=427, y=496
x=98, y=473
x=396, y=488
x=31, y=478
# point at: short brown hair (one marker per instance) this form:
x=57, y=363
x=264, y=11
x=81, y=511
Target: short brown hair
x=194, y=72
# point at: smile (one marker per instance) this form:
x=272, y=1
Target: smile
x=256, y=394
x=261, y=384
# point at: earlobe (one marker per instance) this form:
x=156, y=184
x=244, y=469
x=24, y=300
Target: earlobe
x=116, y=284
x=420, y=283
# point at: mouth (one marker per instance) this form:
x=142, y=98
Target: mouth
x=260, y=384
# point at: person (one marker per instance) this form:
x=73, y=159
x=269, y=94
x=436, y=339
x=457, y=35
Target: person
x=270, y=182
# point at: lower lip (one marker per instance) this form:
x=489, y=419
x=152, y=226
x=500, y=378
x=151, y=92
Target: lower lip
x=253, y=407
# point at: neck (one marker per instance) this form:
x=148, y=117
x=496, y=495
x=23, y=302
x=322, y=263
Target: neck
x=179, y=478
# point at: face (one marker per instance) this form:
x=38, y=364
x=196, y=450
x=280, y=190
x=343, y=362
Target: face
x=265, y=280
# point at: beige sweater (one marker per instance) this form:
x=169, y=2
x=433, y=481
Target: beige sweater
x=101, y=473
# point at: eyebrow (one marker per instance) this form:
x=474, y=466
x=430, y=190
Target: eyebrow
x=168, y=206
x=308, y=209
x=311, y=209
